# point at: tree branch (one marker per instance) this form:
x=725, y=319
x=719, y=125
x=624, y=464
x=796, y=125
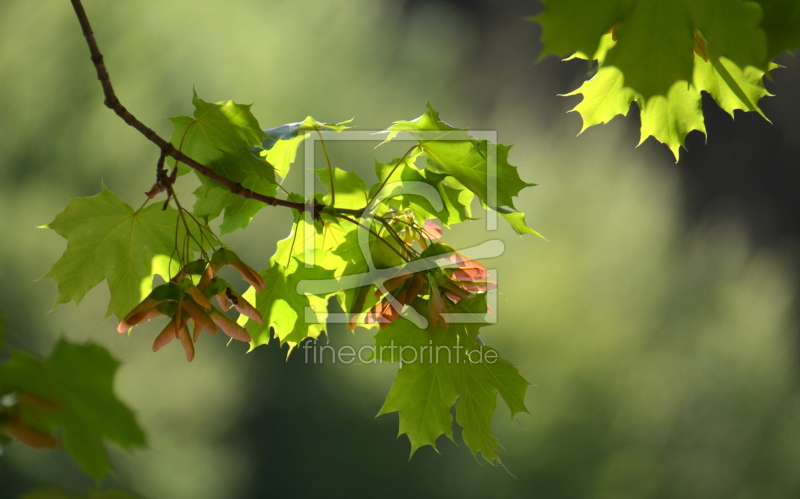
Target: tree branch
x=167, y=149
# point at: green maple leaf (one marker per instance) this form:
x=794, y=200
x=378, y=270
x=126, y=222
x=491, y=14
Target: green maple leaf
x=570, y=26
x=79, y=379
x=670, y=118
x=732, y=87
x=337, y=251
x=455, y=198
x=516, y=219
x=467, y=163
x=435, y=374
x=284, y=309
x=358, y=269
x=243, y=167
x=452, y=152
x=604, y=97
x=215, y=128
x=428, y=122
x=282, y=153
x=327, y=244
x=350, y=189
x=280, y=304
x=655, y=39
x=651, y=57
x=221, y=136
x=280, y=145
x=107, y=239
x=666, y=55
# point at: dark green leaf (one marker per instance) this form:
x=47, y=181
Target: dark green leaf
x=351, y=190
x=243, y=167
x=79, y=378
x=440, y=368
x=224, y=126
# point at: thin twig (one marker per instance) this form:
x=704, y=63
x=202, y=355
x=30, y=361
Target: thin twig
x=113, y=103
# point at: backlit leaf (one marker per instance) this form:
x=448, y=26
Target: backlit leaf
x=107, y=239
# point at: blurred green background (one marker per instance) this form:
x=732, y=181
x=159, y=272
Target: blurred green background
x=659, y=335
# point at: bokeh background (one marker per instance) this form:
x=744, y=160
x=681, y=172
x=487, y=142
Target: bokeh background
x=658, y=326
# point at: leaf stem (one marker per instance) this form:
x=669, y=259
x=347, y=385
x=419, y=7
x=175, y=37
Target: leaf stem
x=291, y=247
x=394, y=235
x=392, y=172
x=330, y=168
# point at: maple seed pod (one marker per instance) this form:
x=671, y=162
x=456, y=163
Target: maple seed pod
x=432, y=230
x=381, y=313
x=224, y=256
x=387, y=315
x=468, y=269
x=223, y=302
x=147, y=309
x=358, y=306
x=42, y=403
x=200, y=317
x=478, y=286
x=436, y=307
x=206, y=278
x=457, y=292
x=186, y=341
x=131, y=321
x=251, y=276
x=229, y=326
x=199, y=297
x=384, y=313
x=28, y=436
x=166, y=336
x=392, y=284
x=414, y=288
x=197, y=331
x=242, y=305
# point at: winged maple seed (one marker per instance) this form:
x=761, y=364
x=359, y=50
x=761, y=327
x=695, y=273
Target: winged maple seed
x=189, y=304
x=461, y=278
x=13, y=424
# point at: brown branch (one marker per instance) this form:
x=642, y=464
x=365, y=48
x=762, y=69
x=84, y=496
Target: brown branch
x=167, y=149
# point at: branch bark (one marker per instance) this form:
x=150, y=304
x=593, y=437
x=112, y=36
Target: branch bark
x=167, y=149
